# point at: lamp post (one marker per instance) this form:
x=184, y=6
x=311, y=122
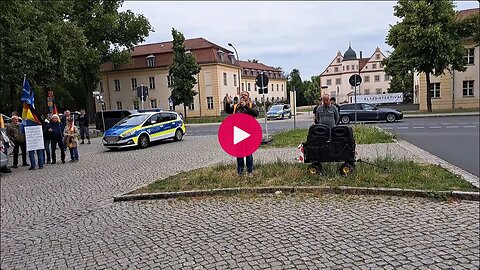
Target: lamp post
x=100, y=100
x=238, y=61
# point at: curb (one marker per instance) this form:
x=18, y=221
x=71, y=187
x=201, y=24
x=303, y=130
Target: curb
x=459, y=195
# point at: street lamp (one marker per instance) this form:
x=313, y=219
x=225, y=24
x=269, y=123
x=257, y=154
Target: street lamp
x=238, y=61
x=99, y=98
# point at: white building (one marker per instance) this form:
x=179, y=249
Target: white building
x=335, y=77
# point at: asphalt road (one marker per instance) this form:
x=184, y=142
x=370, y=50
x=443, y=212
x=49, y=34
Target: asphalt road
x=452, y=138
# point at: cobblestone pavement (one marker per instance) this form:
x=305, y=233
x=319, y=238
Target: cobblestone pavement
x=63, y=217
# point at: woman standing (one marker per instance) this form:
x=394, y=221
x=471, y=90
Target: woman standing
x=71, y=139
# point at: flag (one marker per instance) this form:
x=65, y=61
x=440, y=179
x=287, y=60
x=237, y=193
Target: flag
x=54, y=111
x=30, y=117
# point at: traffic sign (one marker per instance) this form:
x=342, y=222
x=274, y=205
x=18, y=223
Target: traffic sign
x=261, y=80
x=355, y=80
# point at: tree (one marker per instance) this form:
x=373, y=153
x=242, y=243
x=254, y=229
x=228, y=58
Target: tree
x=401, y=74
x=312, y=92
x=183, y=70
x=426, y=40
x=295, y=80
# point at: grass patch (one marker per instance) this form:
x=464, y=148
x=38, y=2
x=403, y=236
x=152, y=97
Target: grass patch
x=443, y=111
x=363, y=135
x=400, y=174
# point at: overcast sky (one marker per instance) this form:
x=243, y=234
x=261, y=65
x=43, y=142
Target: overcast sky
x=302, y=35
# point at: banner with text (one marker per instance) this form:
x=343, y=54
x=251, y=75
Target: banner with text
x=379, y=99
x=34, y=138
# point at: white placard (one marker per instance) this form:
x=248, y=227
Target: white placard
x=379, y=99
x=34, y=137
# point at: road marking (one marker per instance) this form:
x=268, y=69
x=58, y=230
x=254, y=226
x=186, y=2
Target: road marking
x=387, y=127
x=418, y=127
x=447, y=123
x=452, y=126
x=402, y=127
x=435, y=127
x=463, y=123
x=469, y=126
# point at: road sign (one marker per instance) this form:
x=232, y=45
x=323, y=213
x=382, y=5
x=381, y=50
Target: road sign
x=355, y=80
x=261, y=80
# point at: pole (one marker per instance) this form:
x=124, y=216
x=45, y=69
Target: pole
x=294, y=107
x=142, y=94
x=265, y=107
x=103, y=117
x=355, y=100
x=238, y=70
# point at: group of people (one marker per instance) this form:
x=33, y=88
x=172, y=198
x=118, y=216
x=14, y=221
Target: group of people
x=57, y=132
x=325, y=113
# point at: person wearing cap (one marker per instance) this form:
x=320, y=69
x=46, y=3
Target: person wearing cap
x=55, y=132
x=245, y=106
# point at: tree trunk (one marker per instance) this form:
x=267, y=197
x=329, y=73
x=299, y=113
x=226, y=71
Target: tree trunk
x=429, y=94
x=184, y=112
x=89, y=106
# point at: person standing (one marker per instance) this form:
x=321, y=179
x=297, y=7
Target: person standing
x=319, y=102
x=327, y=114
x=4, y=144
x=71, y=139
x=66, y=115
x=55, y=132
x=17, y=137
x=244, y=105
x=40, y=157
x=47, y=138
x=83, y=122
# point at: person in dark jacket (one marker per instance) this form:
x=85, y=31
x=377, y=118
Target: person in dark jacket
x=46, y=139
x=244, y=105
x=55, y=132
x=83, y=122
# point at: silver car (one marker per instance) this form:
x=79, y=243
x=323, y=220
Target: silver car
x=3, y=156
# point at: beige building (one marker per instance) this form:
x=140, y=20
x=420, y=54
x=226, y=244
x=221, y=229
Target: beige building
x=150, y=64
x=453, y=90
x=335, y=77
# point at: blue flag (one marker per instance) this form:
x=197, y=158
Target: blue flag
x=27, y=93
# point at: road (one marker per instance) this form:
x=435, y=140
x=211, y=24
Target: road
x=454, y=139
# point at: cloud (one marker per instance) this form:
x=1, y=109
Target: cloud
x=302, y=35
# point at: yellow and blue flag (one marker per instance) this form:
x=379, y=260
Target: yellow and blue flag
x=30, y=117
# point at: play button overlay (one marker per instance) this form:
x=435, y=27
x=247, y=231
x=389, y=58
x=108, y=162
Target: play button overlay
x=240, y=135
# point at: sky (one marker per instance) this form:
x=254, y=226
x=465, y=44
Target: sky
x=302, y=35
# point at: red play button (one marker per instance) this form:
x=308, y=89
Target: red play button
x=240, y=135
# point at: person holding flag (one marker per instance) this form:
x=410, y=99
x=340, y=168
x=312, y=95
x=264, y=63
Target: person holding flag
x=31, y=118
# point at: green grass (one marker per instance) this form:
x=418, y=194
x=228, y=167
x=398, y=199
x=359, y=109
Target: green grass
x=363, y=135
x=400, y=174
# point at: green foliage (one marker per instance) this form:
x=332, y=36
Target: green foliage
x=426, y=40
x=312, y=92
x=295, y=80
x=183, y=69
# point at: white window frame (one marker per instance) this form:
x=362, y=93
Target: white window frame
x=329, y=81
x=234, y=79
x=225, y=82
x=436, y=91
x=151, y=82
x=376, y=78
x=374, y=66
x=119, y=105
x=470, y=56
x=169, y=81
x=366, y=79
x=117, y=85
x=209, y=103
x=134, y=83
x=378, y=91
x=153, y=103
x=468, y=88
x=338, y=81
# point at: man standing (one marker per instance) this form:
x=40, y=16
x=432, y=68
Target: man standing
x=327, y=114
x=244, y=105
x=319, y=102
x=17, y=136
x=54, y=129
x=83, y=121
x=333, y=101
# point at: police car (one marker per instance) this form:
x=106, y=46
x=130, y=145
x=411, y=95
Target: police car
x=142, y=128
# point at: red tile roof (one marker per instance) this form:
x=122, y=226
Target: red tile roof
x=462, y=14
x=256, y=66
x=166, y=47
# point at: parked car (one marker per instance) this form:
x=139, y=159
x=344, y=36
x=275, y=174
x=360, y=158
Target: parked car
x=3, y=156
x=279, y=111
x=142, y=128
x=368, y=112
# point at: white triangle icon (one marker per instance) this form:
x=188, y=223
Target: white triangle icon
x=239, y=135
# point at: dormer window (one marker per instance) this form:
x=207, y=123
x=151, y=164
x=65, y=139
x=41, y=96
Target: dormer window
x=151, y=60
x=221, y=55
x=232, y=58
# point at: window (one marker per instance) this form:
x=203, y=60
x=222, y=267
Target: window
x=348, y=67
x=378, y=91
x=153, y=103
x=101, y=86
x=327, y=70
x=374, y=66
x=329, y=81
x=435, y=90
x=272, y=87
x=150, y=61
x=387, y=78
x=248, y=87
x=134, y=83
x=119, y=105
x=277, y=87
x=366, y=91
x=368, y=107
x=338, y=60
x=221, y=55
x=353, y=67
x=191, y=107
x=136, y=104
x=380, y=65
x=469, y=56
x=343, y=67
x=104, y=106
x=169, y=80
x=336, y=69
x=151, y=82
x=376, y=78
x=278, y=99
x=224, y=78
x=468, y=88
x=377, y=56
x=117, y=85
x=366, y=78
x=210, y=103
x=366, y=66
x=234, y=79
x=282, y=87
x=242, y=86
x=337, y=81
